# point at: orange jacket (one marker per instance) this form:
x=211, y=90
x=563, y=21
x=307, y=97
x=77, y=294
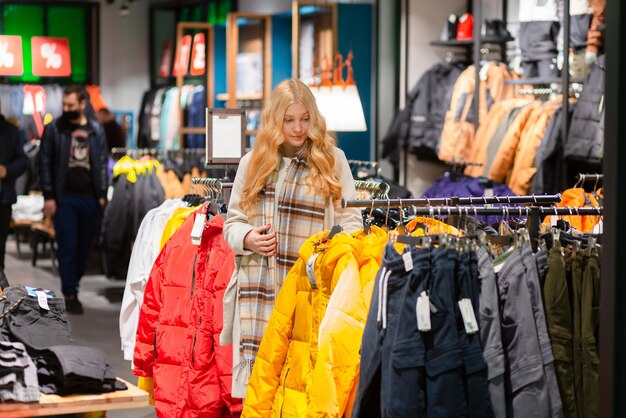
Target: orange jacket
x=524, y=164
x=458, y=134
x=505, y=157
x=577, y=198
x=486, y=130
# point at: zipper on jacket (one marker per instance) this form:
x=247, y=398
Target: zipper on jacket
x=284, y=390
x=193, y=275
x=156, y=353
x=193, y=349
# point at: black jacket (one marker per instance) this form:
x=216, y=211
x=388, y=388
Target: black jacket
x=418, y=126
x=585, y=140
x=54, y=158
x=13, y=157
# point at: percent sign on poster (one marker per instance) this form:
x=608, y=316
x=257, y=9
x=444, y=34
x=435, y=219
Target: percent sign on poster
x=51, y=56
x=11, y=55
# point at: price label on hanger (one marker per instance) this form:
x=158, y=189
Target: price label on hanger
x=197, y=229
x=11, y=62
x=422, y=310
x=469, y=318
x=51, y=56
x=198, y=55
x=408, y=261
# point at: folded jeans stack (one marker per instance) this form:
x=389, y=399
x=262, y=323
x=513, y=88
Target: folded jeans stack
x=62, y=367
x=18, y=375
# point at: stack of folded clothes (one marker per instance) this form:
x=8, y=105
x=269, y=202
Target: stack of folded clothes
x=37, y=319
x=18, y=375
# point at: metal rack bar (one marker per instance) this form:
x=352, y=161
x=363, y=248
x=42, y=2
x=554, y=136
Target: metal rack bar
x=424, y=201
x=505, y=211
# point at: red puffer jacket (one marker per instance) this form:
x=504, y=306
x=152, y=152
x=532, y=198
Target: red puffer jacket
x=180, y=323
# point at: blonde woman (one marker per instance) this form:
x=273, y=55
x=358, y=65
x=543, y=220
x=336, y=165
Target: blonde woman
x=288, y=188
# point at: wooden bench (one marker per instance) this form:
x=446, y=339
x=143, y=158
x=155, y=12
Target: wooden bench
x=43, y=233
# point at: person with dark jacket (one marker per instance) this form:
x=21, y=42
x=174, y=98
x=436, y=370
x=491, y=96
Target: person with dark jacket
x=73, y=176
x=13, y=163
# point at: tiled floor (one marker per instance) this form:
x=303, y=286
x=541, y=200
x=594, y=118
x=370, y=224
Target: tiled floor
x=99, y=326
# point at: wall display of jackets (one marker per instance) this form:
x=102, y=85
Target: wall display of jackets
x=38, y=329
x=437, y=122
x=180, y=320
x=33, y=106
x=452, y=330
x=159, y=119
x=458, y=130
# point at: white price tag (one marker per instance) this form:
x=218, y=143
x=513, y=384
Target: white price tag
x=310, y=270
x=408, y=261
x=422, y=310
x=198, y=228
x=469, y=318
x=42, y=299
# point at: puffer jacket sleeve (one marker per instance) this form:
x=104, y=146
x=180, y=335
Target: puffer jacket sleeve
x=145, y=343
x=340, y=334
x=265, y=378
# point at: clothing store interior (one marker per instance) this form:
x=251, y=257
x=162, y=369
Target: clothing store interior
x=268, y=208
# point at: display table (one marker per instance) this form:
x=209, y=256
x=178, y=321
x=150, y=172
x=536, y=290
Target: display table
x=133, y=397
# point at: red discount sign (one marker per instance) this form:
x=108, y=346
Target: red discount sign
x=11, y=62
x=166, y=59
x=198, y=55
x=183, y=51
x=51, y=56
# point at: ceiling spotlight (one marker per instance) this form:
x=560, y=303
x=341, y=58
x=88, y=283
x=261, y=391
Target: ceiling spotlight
x=124, y=10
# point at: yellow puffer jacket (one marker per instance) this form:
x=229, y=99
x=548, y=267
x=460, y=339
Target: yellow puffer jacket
x=282, y=380
x=336, y=372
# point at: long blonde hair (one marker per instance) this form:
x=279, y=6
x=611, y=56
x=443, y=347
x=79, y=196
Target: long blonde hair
x=266, y=154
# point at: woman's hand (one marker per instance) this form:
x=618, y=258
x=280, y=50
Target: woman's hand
x=259, y=241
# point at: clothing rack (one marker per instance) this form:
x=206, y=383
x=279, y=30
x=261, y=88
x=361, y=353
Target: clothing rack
x=157, y=152
x=451, y=201
x=583, y=178
x=378, y=189
x=213, y=186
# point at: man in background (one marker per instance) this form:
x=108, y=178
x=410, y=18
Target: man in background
x=13, y=162
x=73, y=176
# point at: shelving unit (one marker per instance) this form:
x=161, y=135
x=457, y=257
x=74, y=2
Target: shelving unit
x=181, y=27
x=248, y=33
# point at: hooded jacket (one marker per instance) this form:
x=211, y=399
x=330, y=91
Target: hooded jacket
x=419, y=124
x=287, y=378
x=179, y=325
x=586, y=134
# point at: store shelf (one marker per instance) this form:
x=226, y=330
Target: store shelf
x=242, y=97
x=48, y=405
